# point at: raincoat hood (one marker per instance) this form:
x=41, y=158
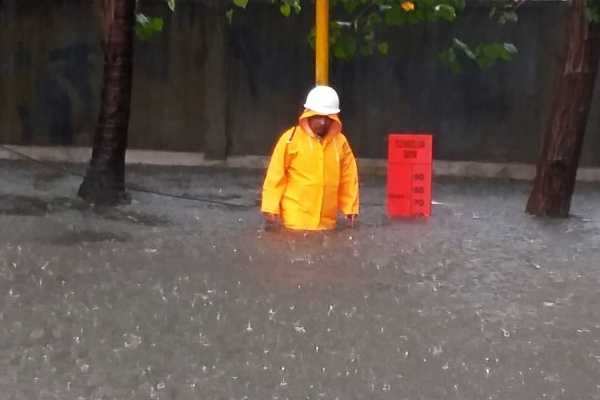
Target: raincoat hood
x=334, y=129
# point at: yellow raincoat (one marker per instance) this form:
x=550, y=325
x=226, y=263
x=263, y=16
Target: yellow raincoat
x=309, y=180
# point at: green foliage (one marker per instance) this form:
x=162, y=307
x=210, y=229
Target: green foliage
x=147, y=27
x=241, y=3
x=504, y=14
x=364, y=19
x=484, y=55
x=592, y=11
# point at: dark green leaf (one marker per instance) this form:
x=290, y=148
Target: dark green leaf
x=451, y=55
x=345, y=47
x=592, y=13
x=367, y=49
x=455, y=67
x=485, y=62
x=350, y=5
x=443, y=56
x=511, y=16
x=413, y=17
x=394, y=16
x=492, y=50
x=460, y=4
x=383, y=48
x=446, y=12
x=157, y=24
x=373, y=19
x=448, y=58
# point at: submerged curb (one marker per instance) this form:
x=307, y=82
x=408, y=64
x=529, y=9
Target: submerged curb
x=464, y=169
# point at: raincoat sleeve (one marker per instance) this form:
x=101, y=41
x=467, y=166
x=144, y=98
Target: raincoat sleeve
x=276, y=177
x=348, y=189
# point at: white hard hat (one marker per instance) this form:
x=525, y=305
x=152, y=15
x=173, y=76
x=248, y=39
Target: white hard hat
x=323, y=100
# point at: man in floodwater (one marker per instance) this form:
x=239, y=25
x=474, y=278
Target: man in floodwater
x=312, y=174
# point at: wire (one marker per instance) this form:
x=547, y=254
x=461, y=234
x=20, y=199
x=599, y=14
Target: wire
x=129, y=187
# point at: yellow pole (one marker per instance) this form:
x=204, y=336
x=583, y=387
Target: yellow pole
x=322, y=42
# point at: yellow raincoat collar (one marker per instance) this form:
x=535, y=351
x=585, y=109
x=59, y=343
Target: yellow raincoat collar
x=334, y=129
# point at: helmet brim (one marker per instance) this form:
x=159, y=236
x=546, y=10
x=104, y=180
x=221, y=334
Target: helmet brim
x=323, y=111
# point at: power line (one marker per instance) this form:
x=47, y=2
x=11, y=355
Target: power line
x=128, y=187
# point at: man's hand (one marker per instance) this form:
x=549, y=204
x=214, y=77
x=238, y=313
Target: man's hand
x=350, y=218
x=270, y=218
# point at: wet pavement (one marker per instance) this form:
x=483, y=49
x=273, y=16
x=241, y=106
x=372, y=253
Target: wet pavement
x=168, y=298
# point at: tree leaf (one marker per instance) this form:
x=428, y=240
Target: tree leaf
x=492, y=50
x=460, y=4
x=142, y=19
x=448, y=58
x=394, y=16
x=345, y=47
x=157, y=24
x=510, y=48
x=511, y=16
x=445, y=11
x=451, y=55
x=241, y=3
x=367, y=48
x=485, y=62
x=463, y=46
x=350, y=5
x=296, y=6
x=383, y=47
x=455, y=67
x=171, y=4
x=444, y=58
x=229, y=15
x=285, y=9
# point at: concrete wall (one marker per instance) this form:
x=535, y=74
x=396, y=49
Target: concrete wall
x=207, y=86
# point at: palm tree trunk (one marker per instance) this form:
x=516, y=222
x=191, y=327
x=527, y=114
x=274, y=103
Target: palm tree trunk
x=105, y=178
x=557, y=168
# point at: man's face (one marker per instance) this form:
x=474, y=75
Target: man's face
x=319, y=124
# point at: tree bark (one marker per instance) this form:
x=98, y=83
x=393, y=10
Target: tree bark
x=556, y=174
x=105, y=178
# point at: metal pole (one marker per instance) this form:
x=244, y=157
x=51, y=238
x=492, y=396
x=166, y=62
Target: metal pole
x=322, y=42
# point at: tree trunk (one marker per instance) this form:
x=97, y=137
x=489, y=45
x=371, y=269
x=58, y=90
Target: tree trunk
x=105, y=178
x=557, y=168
